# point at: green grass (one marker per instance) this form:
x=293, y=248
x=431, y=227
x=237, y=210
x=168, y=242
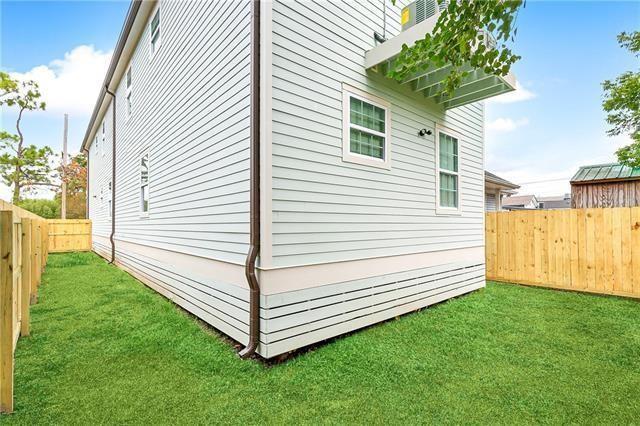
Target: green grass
x=106, y=349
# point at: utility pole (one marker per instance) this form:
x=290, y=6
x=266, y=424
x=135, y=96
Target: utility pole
x=63, y=206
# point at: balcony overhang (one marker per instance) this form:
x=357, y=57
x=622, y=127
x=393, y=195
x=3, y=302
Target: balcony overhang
x=477, y=86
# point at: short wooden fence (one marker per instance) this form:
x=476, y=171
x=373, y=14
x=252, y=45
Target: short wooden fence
x=23, y=255
x=69, y=235
x=592, y=250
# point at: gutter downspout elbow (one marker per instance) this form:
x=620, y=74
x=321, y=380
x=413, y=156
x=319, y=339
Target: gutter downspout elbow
x=254, y=197
x=113, y=179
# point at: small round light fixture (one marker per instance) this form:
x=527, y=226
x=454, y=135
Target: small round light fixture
x=424, y=132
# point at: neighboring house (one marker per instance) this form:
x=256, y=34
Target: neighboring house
x=495, y=188
x=520, y=202
x=555, y=202
x=259, y=169
x=605, y=185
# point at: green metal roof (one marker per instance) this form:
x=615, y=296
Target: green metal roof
x=600, y=172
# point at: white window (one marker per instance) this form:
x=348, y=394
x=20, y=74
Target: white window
x=109, y=199
x=154, y=32
x=128, y=93
x=104, y=139
x=366, y=133
x=144, y=184
x=447, y=173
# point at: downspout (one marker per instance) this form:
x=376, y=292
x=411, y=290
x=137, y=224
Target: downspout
x=113, y=178
x=254, y=197
x=86, y=214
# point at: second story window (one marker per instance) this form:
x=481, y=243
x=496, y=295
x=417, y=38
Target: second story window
x=128, y=93
x=144, y=184
x=103, y=138
x=448, y=173
x=155, y=32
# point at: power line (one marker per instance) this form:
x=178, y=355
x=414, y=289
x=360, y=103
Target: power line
x=544, y=181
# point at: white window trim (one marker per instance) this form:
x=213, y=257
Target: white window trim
x=128, y=91
x=103, y=138
x=351, y=157
x=144, y=214
x=152, y=52
x=452, y=211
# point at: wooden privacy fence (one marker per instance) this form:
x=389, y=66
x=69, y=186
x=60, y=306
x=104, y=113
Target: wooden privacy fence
x=69, y=235
x=23, y=255
x=592, y=250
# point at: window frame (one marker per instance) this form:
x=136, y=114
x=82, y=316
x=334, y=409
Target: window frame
x=103, y=137
x=349, y=92
x=128, y=84
x=153, y=48
x=144, y=213
x=443, y=210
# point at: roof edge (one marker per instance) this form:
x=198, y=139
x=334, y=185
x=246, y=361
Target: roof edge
x=132, y=13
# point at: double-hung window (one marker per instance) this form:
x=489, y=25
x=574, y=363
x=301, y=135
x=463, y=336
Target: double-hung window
x=154, y=33
x=128, y=93
x=448, y=173
x=366, y=128
x=144, y=184
x=109, y=199
x=104, y=138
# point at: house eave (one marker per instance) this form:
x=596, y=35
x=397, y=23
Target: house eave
x=132, y=29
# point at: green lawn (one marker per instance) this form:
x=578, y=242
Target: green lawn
x=106, y=349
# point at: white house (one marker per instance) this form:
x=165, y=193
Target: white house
x=495, y=189
x=251, y=162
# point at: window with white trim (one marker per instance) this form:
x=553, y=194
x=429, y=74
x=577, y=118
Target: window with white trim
x=154, y=32
x=366, y=132
x=144, y=183
x=109, y=199
x=104, y=139
x=448, y=172
x=128, y=93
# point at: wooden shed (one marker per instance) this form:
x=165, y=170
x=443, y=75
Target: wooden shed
x=605, y=185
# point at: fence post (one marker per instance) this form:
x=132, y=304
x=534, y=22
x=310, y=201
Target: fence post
x=26, y=276
x=38, y=252
x=6, y=311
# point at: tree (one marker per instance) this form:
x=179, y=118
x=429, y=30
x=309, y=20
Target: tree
x=468, y=32
x=49, y=209
x=22, y=166
x=75, y=176
x=622, y=103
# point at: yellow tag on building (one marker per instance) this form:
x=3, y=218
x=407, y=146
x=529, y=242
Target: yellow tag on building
x=405, y=16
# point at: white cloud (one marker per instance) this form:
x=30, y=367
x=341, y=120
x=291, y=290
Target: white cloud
x=71, y=85
x=506, y=124
x=518, y=95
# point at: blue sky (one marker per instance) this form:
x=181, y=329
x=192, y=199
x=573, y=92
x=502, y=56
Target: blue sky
x=543, y=133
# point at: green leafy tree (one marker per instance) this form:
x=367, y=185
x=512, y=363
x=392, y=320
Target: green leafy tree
x=49, y=209
x=22, y=166
x=622, y=103
x=469, y=34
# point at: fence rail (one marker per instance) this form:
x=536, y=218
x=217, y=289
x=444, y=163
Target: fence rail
x=69, y=235
x=592, y=250
x=23, y=255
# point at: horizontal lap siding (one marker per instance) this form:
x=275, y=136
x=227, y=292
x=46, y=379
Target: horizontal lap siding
x=325, y=209
x=294, y=319
x=191, y=113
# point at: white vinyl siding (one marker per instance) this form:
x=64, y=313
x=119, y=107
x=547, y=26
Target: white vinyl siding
x=326, y=209
x=196, y=130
